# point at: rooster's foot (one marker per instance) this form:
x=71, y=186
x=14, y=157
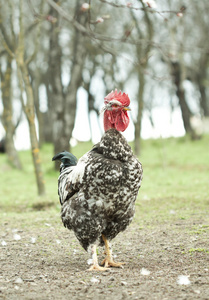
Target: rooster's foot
x=97, y=268
x=108, y=262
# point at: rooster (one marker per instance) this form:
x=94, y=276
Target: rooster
x=98, y=192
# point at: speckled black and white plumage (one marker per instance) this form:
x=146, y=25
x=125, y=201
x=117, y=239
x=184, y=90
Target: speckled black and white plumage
x=98, y=194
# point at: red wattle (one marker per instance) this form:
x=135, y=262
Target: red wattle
x=116, y=119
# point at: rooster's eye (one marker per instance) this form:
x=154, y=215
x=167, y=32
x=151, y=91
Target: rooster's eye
x=115, y=105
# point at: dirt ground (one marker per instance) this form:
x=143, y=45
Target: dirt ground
x=46, y=262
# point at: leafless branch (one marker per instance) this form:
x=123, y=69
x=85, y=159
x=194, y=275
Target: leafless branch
x=96, y=36
x=92, y=35
x=5, y=45
x=148, y=9
x=33, y=9
x=2, y=52
x=37, y=39
x=5, y=40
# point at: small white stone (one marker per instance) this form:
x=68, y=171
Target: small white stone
x=145, y=272
x=17, y=237
x=94, y=280
x=47, y=224
x=33, y=240
x=19, y=280
x=16, y=287
x=90, y=261
x=3, y=243
x=183, y=280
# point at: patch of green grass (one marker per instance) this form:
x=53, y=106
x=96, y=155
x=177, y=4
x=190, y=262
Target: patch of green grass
x=175, y=181
x=174, y=187
x=198, y=250
x=199, y=229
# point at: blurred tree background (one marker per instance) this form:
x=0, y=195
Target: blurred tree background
x=50, y=50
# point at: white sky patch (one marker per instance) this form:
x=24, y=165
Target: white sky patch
x=166, y=123
x=43, y=98
x=81, y=129
x=183, y=280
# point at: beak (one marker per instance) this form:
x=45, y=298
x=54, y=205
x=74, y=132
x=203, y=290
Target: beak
x=126, y=108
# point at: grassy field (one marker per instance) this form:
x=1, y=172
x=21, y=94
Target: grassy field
x=175, y=181
x=169, y=234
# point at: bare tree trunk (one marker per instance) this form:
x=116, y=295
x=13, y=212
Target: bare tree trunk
x=142, y=55
x=203, y=97
x=30, y=114
x=64, y=103
x=28, y=107
x=18, y=52
x=137, y=124
x=47, y=116
x=79, y=55
x=185, y=110
x=39, y=114
x=200, y=79
x=7, y=115
x=57, y=100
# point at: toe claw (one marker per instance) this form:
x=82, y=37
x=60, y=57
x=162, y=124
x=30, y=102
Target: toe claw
x=97, y=268
x=110, y=263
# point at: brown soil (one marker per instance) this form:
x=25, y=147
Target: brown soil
x=48, y=263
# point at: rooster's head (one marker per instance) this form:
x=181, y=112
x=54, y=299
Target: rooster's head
x=115, y=111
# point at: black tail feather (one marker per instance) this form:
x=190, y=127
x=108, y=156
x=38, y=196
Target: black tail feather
x=68, y=159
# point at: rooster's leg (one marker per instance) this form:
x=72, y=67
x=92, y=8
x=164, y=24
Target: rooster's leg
x=108, y=261
x=95, y=266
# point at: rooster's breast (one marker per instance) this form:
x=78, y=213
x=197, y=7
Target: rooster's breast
x=102, y=178
x=110, y=185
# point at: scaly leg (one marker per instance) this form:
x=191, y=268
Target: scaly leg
x=95, y=266
x=108, y=261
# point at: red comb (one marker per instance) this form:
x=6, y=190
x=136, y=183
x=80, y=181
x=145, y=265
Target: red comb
x=122, y=98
